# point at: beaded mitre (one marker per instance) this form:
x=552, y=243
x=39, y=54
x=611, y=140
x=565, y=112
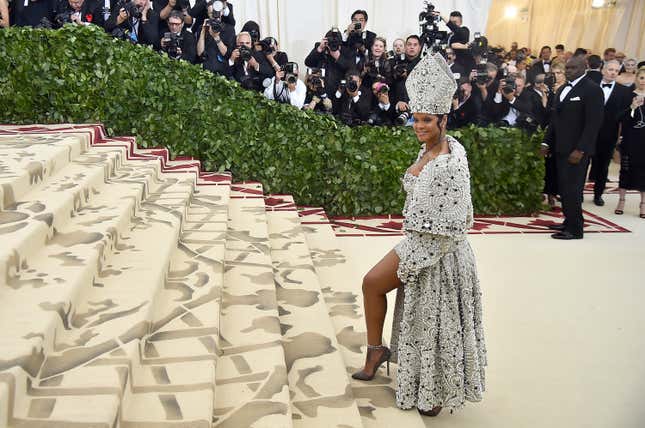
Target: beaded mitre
x=431, y=86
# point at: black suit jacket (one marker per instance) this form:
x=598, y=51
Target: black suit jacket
x=618, y=102
x=576, y=120
x=355, y=113
x=595, y=76
x=91, y=11
x=148, y=33
x=536, y=69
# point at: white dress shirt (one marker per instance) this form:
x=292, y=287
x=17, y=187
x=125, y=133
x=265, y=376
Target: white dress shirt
x=607, y=90
x=295, y=98
x=513, y=113
x=569, y=87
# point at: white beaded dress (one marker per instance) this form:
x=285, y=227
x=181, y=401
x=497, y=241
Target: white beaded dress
x=437, y=334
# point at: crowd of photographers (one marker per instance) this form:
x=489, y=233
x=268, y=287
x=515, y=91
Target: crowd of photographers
x=350, y=73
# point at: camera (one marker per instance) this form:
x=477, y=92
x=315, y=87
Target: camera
x=400, y=68
x=403, y=118
x=267, y=45
x=130, y=8
x=479, y=47
x=290, y=70
x=63, y=18
x=342, y=86
x=245, y=53
x=509, y=85
x=172, y=44
x=215, y=24
x=334, y=40
x=382, y=88
x=352, y=86
x=357, y=26
x=431, y=36
x=481, y=75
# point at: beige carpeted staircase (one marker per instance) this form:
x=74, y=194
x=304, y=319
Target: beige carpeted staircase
x=136, y=291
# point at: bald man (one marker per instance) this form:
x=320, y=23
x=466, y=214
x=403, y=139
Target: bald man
x=571, y=137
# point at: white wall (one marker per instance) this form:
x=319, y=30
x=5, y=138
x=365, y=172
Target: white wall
x=298, y=24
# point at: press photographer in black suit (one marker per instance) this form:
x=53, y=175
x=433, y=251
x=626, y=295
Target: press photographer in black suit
x=357, y=30
x=140, y=25
x=401, y=69
x=215, y=44
x=178, y=42
x=485, y=86
x=571, y=136
x=616, y=100
x=353, y=102
x=79, y=12
x=248, y=66
x=326, y=57
x=466, y=107
x=511, y=101
x=202, y=10
x=594, y=73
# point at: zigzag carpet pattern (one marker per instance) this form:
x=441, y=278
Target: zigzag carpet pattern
x=136, y=291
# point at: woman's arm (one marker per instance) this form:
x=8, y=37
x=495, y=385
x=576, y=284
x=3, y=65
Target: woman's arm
x=4, y=11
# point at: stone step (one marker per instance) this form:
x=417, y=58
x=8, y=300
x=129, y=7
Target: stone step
x=26, y=161
x=376, y=399
x=252, y=386
x=321, y=395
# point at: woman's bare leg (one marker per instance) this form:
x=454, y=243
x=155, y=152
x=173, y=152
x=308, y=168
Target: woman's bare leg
x=379, y=281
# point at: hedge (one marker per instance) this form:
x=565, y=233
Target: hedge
x=82, y=75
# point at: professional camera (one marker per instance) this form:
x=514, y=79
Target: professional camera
x=267, y=45
x=317, y=85
x=245, y=53
x=509, y=85
x=215, y=24
x=334, y=40
x=172, y=44
x=63, y=18
x=479, y=47
x=431, y=37
x=130, y=8
x=549, y=80
x=400, y=68
x=382, y=88
x=481, y=75
x=290, y=70
x=352, y=86
x=403, y=118
x=342, y=86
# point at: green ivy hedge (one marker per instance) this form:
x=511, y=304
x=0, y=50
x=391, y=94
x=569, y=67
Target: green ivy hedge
x=82, y=75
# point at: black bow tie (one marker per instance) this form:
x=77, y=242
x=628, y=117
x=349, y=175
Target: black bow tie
x=606, y=85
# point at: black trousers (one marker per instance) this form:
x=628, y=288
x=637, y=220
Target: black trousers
x=571, y=183
x=600, y=165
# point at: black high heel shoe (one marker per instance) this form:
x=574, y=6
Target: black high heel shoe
x=385, y=358
x=434, y=412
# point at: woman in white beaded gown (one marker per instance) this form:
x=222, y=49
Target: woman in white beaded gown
x=437, y=335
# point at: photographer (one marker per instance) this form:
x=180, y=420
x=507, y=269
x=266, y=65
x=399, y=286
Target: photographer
x=79, y=12
x=382, y=112
x=457, y=70
x=377, y=67
x=541, y=66
x=215, y=43
x=401, y=68
x=316, y=98
x=458, y=40
x=325, y=56
x=485, y=85
x=270, y=48
x=353, y=104
x=247, y=66
x=511, y=101
x=357, y=31
x=466, y=107
x=203, y=10
x=178, y=42
x=286, y=88
x=135, y=21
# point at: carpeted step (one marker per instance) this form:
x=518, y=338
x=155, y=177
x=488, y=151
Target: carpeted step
x=376, y=399
x=28, y=160
x=321, y=394
x=252, y=386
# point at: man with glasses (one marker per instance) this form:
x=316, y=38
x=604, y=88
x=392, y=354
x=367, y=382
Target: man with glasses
x=80, y=12
x=141, y=29
x=179, y=43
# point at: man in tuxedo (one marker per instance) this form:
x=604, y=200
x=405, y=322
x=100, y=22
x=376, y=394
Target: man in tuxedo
x=458, y=71
x=354, y=102
x=143, y=30
x=571, y=137
x=357, y=30
x=616, y=99
x=541, y=66
x=594, y=73
x=80, y=12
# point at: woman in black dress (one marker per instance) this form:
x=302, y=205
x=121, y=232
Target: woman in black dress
x=632, y=149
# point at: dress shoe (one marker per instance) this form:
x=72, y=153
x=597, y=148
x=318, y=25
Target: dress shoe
x=565, y=236
x=558, y=227
x=599, y=201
